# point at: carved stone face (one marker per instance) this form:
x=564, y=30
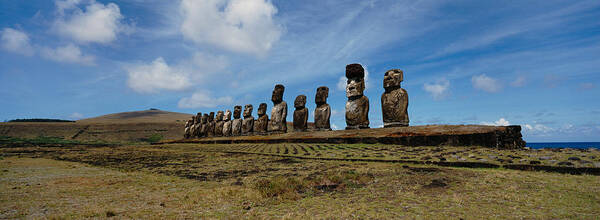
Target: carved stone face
x=220, y=116
x=262, y=109
x=392, y=78
x=198, y=117
x=227, y=115
x=355, y=74
x=322, y=94
x=355, y=87
x=237, y=111
x=248, y=110
x=204, y=118
x=211, y=116
x=277, y=96
x=193, y=119
x=300, y=101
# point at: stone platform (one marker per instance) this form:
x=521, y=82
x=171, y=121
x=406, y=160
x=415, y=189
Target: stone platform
x=502, y=137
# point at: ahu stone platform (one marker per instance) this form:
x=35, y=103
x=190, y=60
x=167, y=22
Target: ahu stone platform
x=502, y=137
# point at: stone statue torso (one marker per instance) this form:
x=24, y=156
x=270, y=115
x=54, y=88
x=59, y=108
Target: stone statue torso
x=300, y=119
x=357, y=113
x=278, y=115
x=247, y=125
x=322, y=115
x=236, y=127
x=227, y=128
x=394, y=105
x=219, y=128
x=260, y=125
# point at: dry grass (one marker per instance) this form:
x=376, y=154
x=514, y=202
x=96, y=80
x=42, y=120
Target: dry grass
x=183, y=181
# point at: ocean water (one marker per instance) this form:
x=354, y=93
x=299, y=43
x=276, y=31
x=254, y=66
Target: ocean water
x=582, y=145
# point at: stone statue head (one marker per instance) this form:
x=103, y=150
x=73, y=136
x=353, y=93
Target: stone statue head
x=277, y=96
x=193, y=119
x=219, y=115
x=227, y=115
x=198, y=117
x=248, y=110
x=237, y=111
x=393, y=78
x=262, y=109
x=356, y=80
x=300, y=101
x=211, y=116
x=322, y=94
x=204, y=118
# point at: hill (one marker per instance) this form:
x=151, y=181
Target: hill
x=118, y=127
x=153, y=116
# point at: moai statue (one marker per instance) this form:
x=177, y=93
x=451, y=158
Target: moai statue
x=188, y=127
x=357, y=106
x=197, y=125
x=210, y=130
x=236, y=125
x=204, y=129
x=260, y=125
x=227, y=123
x=277, y=124
x=248, y=123
x=394, y=101
x=219, y=124
x=323, y=111
x=300, y=114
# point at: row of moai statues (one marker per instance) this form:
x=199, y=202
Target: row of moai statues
x=208, y=126
x=394, y=104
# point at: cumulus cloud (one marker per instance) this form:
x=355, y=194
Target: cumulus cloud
x=500, y=122
x=16, y=41
x=155, y=76
x=245, y=26
x=203, y=99
x=98, y=23
x=486, y=83
x=437, y=90
x=69, y=54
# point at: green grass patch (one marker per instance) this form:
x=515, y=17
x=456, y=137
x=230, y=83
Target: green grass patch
x=46, y=140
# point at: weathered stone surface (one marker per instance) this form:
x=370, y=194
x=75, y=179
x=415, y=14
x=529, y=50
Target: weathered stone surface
x=205, y=125
x=300, y=114
x=210, y=131
x=188, y=126
x=219, y=124
x=197, y=126
x=323, y=111
x=357, y=106
x=227, y=123
x=248, y=123
x=236, y=125
x=261, y=124
x=394, y=101
x=277, y=124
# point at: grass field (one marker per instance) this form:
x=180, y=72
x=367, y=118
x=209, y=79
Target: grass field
x=187, y=181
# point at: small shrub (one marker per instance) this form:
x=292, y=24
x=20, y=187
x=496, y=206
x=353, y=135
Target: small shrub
x=281, y=187
x=154, y=138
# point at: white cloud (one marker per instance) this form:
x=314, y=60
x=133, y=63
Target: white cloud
x=437, y=90
x=16, y=41
x=518, y=82
x=98, y=23
x=538, y=128
x=486, y=83
x=69, y=54
x=500, y=122
x=155, y=76
x=76, y=116
x=203, y=99
x=245, y=26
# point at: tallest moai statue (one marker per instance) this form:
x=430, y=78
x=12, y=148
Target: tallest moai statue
x=357, y=106
x=394, y=101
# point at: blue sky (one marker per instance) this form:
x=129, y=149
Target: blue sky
x=532, y=63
